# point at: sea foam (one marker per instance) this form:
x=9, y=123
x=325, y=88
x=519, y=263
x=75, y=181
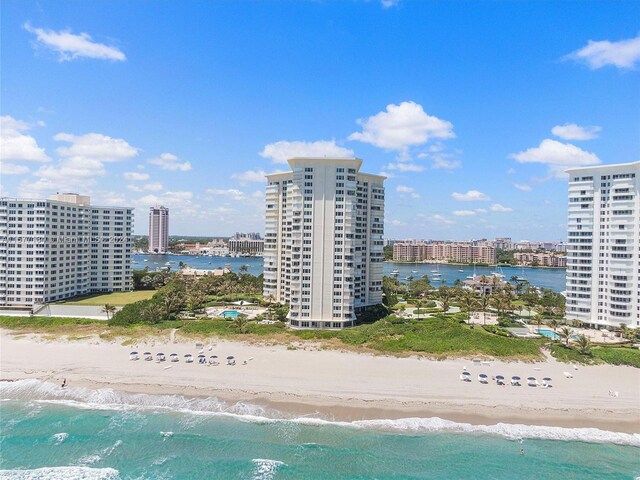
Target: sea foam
x=61, y=473
x=107, y=399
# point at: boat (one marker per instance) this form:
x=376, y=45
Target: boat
x=395, y=274
x=497, y=272
x=471, y=277
x=395, y=271
x=460, y=270
x=414, y=271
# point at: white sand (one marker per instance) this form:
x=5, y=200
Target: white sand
x=341, y=385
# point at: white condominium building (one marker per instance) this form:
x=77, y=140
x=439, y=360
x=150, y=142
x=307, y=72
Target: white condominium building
x=62, y=247
x=603, y=248
x=158, y=230
x=323, y=241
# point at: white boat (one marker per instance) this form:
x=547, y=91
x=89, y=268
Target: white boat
x=498, y=272
x=471, y=277
x=395, y=271
x=414, y=271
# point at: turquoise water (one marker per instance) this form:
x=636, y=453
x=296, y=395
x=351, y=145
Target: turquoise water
x=555, y=278
x=549, y=334
x=230, y=314
x=50, y=433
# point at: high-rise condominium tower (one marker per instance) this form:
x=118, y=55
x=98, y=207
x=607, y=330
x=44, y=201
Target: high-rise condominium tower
x=323, y=243
x=603, y=250
x=62, y=247
x=158, y=230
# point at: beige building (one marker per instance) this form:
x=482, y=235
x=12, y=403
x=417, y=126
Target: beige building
x=62, y=247
x=603, y=248
x=463, y=252
x=541, y=259
x=158, y=230
x=323, y=242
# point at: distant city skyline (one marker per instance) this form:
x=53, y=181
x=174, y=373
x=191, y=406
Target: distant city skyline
x=472, y=110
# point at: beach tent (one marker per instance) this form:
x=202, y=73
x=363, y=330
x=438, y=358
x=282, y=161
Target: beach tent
x=174, y=357
x=133, y=356
x=500, y=379
x=148, y=356
x=515, y=381
x=231, y=360
x=242, y=303
x=188, y=358
x=213, y=360
x=545, y=381
x=531, y=381
x=160, y=357
x=202, y=358
x=482, y=378
x=465, y=376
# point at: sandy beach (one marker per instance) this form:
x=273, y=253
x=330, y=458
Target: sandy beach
x=338, y=385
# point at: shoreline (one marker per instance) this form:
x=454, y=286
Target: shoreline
x=481, y=265
x=351, y=387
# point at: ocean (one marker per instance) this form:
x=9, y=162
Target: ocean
x=552, y=278
x=47, y=432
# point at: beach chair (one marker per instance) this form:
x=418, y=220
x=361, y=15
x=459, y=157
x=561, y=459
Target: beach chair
x=567, y=374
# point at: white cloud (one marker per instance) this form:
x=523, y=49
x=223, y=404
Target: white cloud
x=464, y=213
x=571, y=131
x=389, y=3
x=441, y=219
x=471, y=196
x=250, y=176
x=15, y=145
x=404, y=189
x=622, y=54
x=12, y=169
x=406, y=167
x=522, y=186
x=135, y=176
x=557, y=156
x=496, y=207
x=71, y=47
x=169, y=161
x=402, y=126
x=95, y=146
x=481, y=210
x=280, y=152
x=80, y=162
x=179, y=202
x=439, y=161
x=511, y=171
x=231, y=193
x=147, y=187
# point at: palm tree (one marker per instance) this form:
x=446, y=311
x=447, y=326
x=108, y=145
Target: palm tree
x=173, y=300
x=240, y=323
x=109, y=310
x=419, y=304
x=483, y=303
x=554, y=324
x=565, y=333
x=153, y=313
x=446, y=294
x=584, y=344
x=468, y=299
x=576, y=323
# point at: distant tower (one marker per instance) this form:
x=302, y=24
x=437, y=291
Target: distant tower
x=158, y=229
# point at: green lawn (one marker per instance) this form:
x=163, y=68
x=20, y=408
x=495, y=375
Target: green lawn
x=115, y=298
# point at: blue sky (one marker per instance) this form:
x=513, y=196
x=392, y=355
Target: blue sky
x=472, y=109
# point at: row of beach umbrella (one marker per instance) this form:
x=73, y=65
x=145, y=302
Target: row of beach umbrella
x=500, y=379
x=188, y=358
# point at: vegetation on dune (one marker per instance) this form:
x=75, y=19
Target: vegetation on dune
x=115, y=298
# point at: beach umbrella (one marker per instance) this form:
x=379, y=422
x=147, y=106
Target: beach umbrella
x=531, y=379
x=160, y=354
x=201, y=356
x=546, y=379
x=188, y=355
x=515, y=378
x=466, y=373
x=230, y=357
x=147, y=353
x=482, y=375
x=213, y=356
x=133, y=353
x=499, y=377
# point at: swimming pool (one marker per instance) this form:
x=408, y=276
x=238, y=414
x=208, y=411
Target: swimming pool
x=549, y=334
x=230, y=314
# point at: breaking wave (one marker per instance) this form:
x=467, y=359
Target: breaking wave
x=106, y=399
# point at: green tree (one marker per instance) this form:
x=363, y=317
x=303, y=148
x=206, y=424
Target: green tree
x=446, y=295
x=468, y=299
x=240, y=323
x=153, y=313
x=584, y=344
x=565, y=334
x=109, y=310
